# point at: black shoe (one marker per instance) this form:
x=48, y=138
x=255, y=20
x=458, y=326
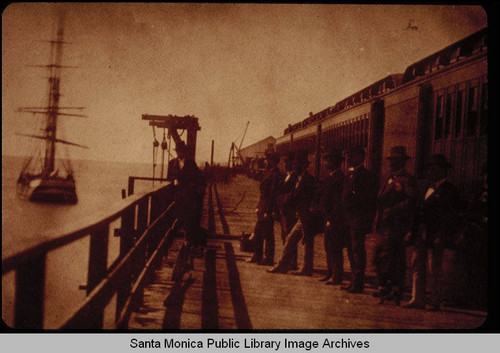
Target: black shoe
x=254, y=259
x=293, y=267
x=434, y=308
x=276, y=269
x=303, y=273
x=414, y=305
x=324, y=279
x=355, y=290
x=266, y=262
x=348, y=287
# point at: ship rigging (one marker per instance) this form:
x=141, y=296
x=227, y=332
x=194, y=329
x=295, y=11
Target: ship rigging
x=43, y=182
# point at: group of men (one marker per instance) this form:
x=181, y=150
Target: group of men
x=347, y=207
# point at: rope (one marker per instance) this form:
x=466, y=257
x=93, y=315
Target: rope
x=235, y=207
x=163, y=148
x=155, y=150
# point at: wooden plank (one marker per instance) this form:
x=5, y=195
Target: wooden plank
x=282, y=301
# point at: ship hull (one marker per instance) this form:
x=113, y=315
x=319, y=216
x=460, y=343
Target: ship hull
x=51, y=190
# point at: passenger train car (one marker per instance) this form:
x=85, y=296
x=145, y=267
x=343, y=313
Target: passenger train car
x=438, y=105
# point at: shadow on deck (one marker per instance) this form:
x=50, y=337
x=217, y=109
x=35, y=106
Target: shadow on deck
x=224, y=292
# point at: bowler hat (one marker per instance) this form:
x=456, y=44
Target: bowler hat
x=334, y=155
x=356, y=150
x=398, y=152
x=301, y=157
x=273, y=157
x=290, y=156
x=438, y=159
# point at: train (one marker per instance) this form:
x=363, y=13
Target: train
x=438, y=105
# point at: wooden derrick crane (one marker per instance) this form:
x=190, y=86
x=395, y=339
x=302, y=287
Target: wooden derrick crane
x=172, y=123
x=235, y=152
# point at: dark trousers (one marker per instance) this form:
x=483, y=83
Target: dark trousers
x=334, y=245
x=357, y=251
x=390, y=263
x=264, y=232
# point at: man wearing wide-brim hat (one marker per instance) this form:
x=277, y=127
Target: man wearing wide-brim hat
x=188, y=184
x=301, y=197
x=359, y=201
x=435, y=225
x=266, y=210
x=396, y=204
x=329, y=201
x=288, y=218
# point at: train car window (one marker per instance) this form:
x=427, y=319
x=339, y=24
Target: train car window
x=342, y=136
x=355, y=132
x=365, y=134
x=349, y=133
x=447, y=115
x=438, y=128
x=459, y=113
x=484, y=110
x=472, y=112
x=454, y=55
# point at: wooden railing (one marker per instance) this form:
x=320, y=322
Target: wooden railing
x=146, y=229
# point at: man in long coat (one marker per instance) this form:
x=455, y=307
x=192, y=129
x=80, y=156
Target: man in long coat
x=434, y=228
x=188, y=183
x=288, y=218
x=302, y=196
x=395, y=212
x=266, y=210
x=330, y=203
x=360, y=203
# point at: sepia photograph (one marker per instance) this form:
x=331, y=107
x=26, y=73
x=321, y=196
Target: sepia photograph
x=244, y=167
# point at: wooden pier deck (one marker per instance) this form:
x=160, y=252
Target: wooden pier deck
x=224, y=292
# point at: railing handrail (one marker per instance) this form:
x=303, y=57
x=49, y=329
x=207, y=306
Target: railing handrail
x=146, y=229
x=77, y=230
x=100, y=289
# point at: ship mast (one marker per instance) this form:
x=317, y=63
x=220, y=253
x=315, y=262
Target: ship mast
x=53, y=106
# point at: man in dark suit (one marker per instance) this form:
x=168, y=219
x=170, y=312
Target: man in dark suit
x=359, y=200
x=288, y=217
x=434, y=228
x=330, y=203
x=266, y=210
x=302, y=195
x=188, y=183
x=395, y=212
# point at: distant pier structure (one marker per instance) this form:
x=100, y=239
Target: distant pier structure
x=254, y=155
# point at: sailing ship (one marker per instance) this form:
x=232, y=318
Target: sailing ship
x=40, y=179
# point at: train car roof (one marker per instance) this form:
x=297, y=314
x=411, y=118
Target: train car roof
x=389, y=82
x=465, y=47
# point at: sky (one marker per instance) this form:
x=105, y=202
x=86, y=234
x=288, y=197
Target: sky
x=227, y=64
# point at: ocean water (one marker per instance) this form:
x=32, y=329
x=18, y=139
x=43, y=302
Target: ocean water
x=25, y=224
x=98, y=185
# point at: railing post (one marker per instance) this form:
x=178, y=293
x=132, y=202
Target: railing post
x=131, y=181
x=126, y=243
x=98, y=260
x=140, y=261
x=30, y=285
